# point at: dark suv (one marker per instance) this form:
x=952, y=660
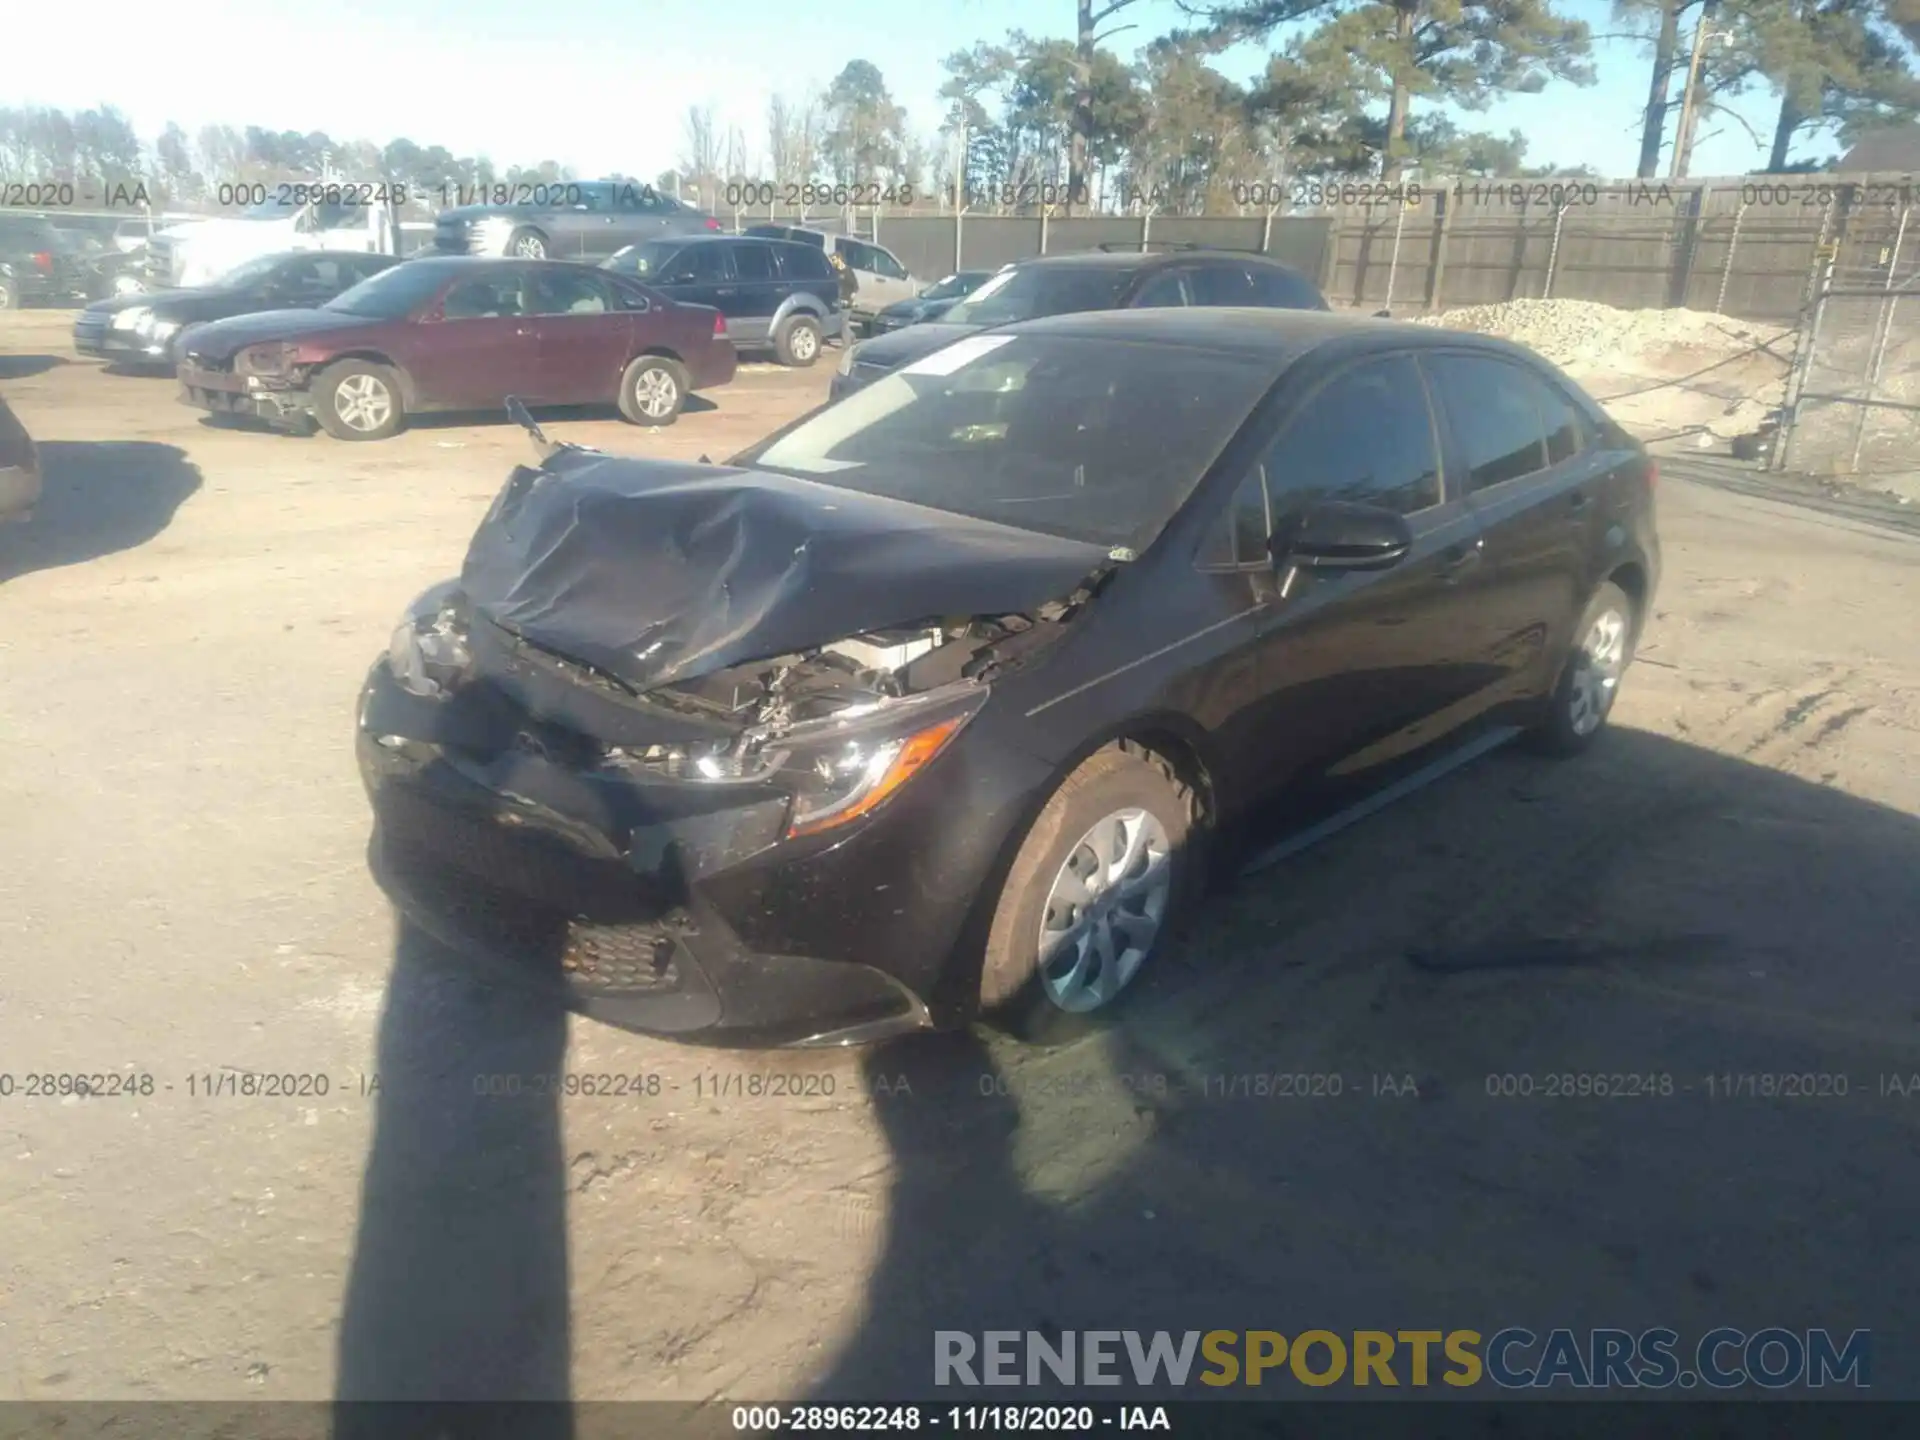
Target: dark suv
x=38, y=265
x=1092, y=280
x=776, y=294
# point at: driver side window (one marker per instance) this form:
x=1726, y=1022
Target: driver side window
x=1167, y=289
x=1238, y=541
x=483, y=299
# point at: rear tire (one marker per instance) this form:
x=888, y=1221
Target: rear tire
x=797, y=341
x=358, y=400
x=1590, y=678
x=1101, y=880
x=653, y=390
x=9, y=293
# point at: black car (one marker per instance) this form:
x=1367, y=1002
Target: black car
x=1091, y=280
x=920, y=708
x=561, y=220
x=38, y=265
x=931, y=303
x=143, y=331
x=776, y=294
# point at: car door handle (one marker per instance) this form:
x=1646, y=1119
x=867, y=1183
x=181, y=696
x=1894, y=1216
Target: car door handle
x=1459, y=560
x=725, y=290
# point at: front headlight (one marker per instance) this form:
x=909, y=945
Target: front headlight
x=428, y=653
x=132, y=319
x=160, y=330
x=493, y=231
x=274, y=358
x=846, y=359
x=837, y=769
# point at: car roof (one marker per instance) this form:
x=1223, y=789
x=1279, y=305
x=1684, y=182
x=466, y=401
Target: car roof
x=718, y=239
x=1277, y=335
x=451, y=265
x=1144, y=259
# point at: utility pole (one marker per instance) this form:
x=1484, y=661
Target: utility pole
x=1690, y=97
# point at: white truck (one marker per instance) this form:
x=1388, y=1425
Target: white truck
x=198, y=251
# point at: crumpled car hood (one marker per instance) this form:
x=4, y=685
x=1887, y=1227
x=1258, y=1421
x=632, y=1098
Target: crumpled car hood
x=659, y=571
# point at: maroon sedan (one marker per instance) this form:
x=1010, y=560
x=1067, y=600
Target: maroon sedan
x=440, y=334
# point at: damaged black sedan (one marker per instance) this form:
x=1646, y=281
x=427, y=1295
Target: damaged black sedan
x=920, y=709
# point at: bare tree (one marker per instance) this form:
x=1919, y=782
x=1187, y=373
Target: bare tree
x=700, y=161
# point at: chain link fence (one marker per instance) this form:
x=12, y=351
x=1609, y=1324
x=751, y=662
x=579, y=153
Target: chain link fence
x=1853, y=396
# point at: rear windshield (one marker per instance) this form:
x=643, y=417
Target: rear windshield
x=393, y=294
x=1090, y=440
x=1027, y=292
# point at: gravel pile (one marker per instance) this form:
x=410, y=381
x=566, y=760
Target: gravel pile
x=1582, y=334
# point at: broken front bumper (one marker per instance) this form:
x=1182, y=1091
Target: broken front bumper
x=657, y=905
x=283, y=404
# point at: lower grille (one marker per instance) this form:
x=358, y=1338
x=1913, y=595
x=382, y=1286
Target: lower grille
x=587, y=956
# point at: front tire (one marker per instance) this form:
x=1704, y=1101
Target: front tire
x=527, y=244
x=653, y=390
x=1590, y=679
x=1093, y=894
x=797, y=341
x=9, y=293
x=358, y=400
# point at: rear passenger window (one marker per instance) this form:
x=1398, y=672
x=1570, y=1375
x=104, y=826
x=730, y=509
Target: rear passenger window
x=1566, y=427
x=800, y=262
x=1490, y=406
x=1221, y=285
x=753, y=262
x=1281, y=290
x=1366, y=435
x=1161, y=291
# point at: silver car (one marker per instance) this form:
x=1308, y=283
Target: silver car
x=560, y=220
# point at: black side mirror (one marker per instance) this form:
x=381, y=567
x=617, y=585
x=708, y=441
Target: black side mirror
x=1342, y=535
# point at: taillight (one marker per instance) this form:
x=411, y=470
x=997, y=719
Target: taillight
x=712, y=224
x=43, y=260
x=719, y=326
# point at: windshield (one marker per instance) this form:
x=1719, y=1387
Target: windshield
x=280, y=209
x=1028, y=292
x=645, y=259
x=948, y=288
x=251, y=273
x=393, y=294
x=1089, y=440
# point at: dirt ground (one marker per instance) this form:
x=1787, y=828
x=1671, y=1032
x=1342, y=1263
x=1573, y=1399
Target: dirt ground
x=1725, y=888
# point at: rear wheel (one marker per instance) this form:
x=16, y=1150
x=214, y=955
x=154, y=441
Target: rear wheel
x=653, y=390
x=358, y=400
x=9, y=293
x=797, y=341
x=1590, y=680
x=527, y=244
x=1093, y=894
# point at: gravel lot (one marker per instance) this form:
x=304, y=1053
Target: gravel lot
x=1726, y=887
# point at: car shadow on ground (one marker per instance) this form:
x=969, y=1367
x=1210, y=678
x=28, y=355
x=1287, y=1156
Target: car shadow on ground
x=97, y=497
x=1336, y=1106
x=24, y=367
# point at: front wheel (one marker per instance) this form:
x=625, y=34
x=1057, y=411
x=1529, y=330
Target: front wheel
x=525, y=244
x=358, y=400
x=9, y=293
x=653, y=390
x=1093, y=894
x=1590, y=679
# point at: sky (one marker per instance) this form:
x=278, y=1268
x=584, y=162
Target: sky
x=604, y=86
